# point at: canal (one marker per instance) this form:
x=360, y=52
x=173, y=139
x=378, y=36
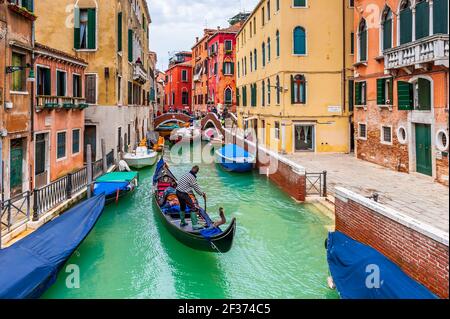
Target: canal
x=278, y=250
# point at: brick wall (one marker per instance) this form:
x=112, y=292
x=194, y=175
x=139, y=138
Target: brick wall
x=418, y=255
x=442, y=170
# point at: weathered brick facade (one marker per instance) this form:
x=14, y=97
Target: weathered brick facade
x=419, y=256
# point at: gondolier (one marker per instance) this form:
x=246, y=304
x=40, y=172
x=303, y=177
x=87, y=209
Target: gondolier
x=188, y=184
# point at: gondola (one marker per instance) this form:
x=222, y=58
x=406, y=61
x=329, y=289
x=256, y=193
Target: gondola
x=116, y=185
x=210, y=239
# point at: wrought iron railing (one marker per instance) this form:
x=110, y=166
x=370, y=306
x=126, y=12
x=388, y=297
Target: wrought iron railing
x=14, y=211
x=110, y=158
x=316, y=184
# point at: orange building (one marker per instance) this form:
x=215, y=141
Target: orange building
x=58, y=114
x=200, y=72
x=178, y=88
x=401, y=85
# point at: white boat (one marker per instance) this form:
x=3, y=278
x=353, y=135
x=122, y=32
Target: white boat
x=185, y=133
x=141, y=158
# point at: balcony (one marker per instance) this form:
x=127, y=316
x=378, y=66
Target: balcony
x=49, y=102
x=139, y=74
x=432, y=49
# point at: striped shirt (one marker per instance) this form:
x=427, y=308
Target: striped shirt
x=187, y=183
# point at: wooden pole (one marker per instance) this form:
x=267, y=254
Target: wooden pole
x=89, y=169
x=105, y=164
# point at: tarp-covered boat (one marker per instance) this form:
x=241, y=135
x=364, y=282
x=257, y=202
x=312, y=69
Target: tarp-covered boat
x=361, y=272
x=30, y=266
x=115, y=185
x=234, y=158
x=211, y=239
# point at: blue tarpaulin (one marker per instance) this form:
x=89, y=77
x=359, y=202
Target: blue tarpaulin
x=233, y=151
x=361, y=272
x=110, y=188
x=29, y=267
x=210, y=232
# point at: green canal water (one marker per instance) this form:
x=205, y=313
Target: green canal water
x=278, y=250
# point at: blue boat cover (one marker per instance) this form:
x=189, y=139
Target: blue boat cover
x=210, y=232
x=159, y=167
x=233, y=151
x=30, y=266
x=109, y=188
x=361, y=272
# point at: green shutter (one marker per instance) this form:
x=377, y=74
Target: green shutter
x=387, y=34
x=244, y=96
x=92, y=26
x=76, y=34
x=223, y=68
x=363, y=46
x=422, y=20
x=351, y=95
x=237, y=97
x=424, y=94
x=232, y=67
x=130, y=45
x=358, y=99
x=440, y=16
x=381, y=92
x=405, y=26
x=391, y=91
x=292, y=90
x=405, y=95
x=119, y=32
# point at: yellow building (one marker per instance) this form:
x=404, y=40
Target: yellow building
x=113, y=37
x=294, y=64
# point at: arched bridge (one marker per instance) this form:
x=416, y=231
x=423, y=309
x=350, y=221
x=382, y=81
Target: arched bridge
x=171, y=117
x=211, y=120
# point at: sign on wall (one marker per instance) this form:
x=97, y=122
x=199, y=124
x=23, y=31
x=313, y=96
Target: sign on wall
x=334, y=109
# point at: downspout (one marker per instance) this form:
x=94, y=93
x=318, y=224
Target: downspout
x=344, y=55
x=32, y=95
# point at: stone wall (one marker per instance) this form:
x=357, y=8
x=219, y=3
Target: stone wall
x=420, y=250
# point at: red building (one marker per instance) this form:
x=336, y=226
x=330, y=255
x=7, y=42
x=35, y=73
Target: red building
x=179, y=83
x=222, y=57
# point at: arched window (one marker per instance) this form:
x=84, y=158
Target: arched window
x=255, y=56
x=386, y=28
x=278, y=90
x=263, y=48
x=422, y=19
x=278, y=43
x=268, y=92
x=263, y=93
x=251, y=62
x=298, y=89
x=405, y=22
x=299, y=41
x=268, y=50
x=228, y=96
x=362, y=41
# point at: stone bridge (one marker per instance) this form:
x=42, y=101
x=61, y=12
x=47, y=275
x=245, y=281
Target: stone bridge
x=170, y=117
x=211, y=120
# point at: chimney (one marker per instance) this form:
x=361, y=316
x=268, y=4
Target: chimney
x=218, y=28
x=196, y=39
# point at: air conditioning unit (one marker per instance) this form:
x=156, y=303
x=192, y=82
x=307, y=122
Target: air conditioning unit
x=8, y=105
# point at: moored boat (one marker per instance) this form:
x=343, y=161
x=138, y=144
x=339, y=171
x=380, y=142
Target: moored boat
x=159, y=146
x=186, y=134
x=116, y=185
x=360, y=272
x=212, y=135
x=141, y=157
x=30, y=266
x=234, y=158
x=210, y=238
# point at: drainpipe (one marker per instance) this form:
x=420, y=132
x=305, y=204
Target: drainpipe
x=32, y=96
x=344, y=56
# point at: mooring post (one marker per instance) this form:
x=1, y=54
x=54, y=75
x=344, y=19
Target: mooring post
x=89, y=169
x=105, y=164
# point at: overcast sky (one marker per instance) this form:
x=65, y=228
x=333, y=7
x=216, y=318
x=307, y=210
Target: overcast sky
x=176, y=23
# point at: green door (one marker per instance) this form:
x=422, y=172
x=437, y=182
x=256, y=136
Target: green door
x=16, y=162
x=423, y=149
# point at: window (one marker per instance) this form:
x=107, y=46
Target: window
x=298, y=89
x=185, y=98
x=263, y=93
x=277, y=130
x=75, y=141
x=18, y=77
x=385, y=91
x=362, y=131
x=278, y=43
x=268, y=50
x=61, y=145
x=228, y=68
x=352, y=43
x=254, y=90
x=184, y=75
x=61, y=83
x=91, y=88
x=362, y=41
x=130, y=45
x=254, y=25
x=251, y=28
x=228, y=46
x=119, y=89
x=245, y=66
x=85, y=28
x=119, y=32
x=263, y=16
x=386, y=135
x=76, y=85
x=172, y=102
x=215, y=68
x=268, y=10
x=299, y=41
x=360, y=93
x=299, y=3
x=278, y=5
x=251, y=62
x=228, y=96
x=351, y=3
x=422, y=19
x=255, y=55
x=351, y=95
x=278, y=90
x=405, y=22
x=239, y=69
x=422, y=95
x=43, y=81
x=130, y=93
x=268, y=92
x=440, y=17
x=244, y=96
x=402, y=135
x=386, y=29
x=238, y=97
x=263, y=49
x=28, y=4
